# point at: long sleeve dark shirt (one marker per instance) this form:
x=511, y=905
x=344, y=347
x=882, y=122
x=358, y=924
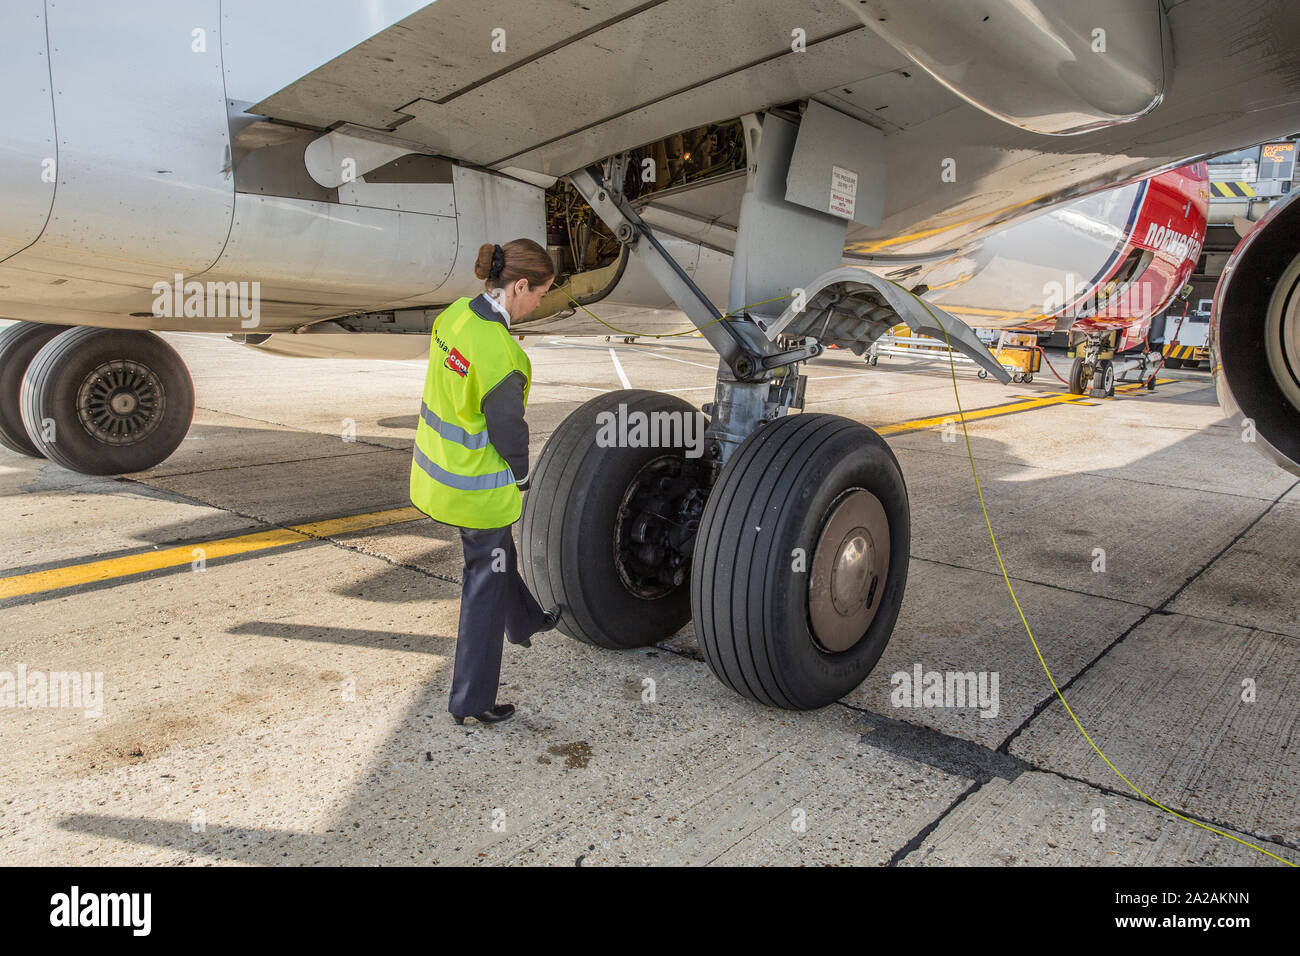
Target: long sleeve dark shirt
x=503, y=406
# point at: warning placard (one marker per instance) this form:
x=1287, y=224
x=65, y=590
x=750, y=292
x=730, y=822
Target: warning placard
x=844, y=191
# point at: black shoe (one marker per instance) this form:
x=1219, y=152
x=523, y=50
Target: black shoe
x=549, y=620
x=494, y=715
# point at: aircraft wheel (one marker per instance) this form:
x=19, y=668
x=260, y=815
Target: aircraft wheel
x=19, y=344
x=801, y=561
x=107, y=401
x=607, y=531
x=1080, y=373
x=1103, y=380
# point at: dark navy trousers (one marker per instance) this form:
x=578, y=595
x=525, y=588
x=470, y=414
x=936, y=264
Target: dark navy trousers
x=494, y=601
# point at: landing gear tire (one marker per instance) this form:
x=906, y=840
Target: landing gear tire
x=801, y=561
x=1103, y=380
x=607, y=532
x=106, y=401
x=1080, y=373
x=19, y=344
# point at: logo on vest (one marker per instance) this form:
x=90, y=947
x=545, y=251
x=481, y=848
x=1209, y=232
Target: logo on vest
x=457, y=362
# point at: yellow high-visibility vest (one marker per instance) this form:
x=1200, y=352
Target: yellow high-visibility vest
x=457, y=477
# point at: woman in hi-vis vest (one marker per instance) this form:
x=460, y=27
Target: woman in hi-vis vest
x=470, y=464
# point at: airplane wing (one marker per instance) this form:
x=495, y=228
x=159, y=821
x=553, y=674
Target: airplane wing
x=970, y=99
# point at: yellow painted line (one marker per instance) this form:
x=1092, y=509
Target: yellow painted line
x=971, y=416
x=997, y=410
x=90, y=572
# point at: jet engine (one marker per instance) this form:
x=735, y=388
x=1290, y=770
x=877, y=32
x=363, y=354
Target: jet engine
x=1255, y=334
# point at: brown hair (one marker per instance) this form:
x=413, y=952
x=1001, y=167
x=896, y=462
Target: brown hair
x=520, y=259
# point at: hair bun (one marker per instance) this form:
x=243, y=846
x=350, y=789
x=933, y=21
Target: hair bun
x=502, y=266
x=483, y=261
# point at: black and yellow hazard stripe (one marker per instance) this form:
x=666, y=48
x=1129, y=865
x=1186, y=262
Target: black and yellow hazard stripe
x=1195, y=352
x=1231, y=190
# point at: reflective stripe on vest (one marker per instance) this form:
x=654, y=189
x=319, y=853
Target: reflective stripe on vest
x=497, y=479
x=471, y=440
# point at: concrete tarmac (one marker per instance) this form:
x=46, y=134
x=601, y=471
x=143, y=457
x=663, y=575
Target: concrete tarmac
x=287, y=703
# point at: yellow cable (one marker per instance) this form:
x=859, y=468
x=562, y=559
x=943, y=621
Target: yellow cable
x=952, y=368
x=1005, y=577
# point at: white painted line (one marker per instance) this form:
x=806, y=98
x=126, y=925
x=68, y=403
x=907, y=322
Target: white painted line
x=827, y=378
x=711, y=368
x=589, y=388
x=618, y=367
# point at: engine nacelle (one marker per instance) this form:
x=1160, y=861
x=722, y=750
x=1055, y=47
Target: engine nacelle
x=1255, y=333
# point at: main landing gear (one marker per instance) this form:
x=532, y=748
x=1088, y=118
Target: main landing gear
x=96, y=401
x=784, y=537
x=794, y=562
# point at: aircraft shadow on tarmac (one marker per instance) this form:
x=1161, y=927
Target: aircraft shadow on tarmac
x=1049, y=515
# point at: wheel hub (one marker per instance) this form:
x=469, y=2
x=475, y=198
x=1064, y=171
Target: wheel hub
x=850, y=571
x=120, y=402
x=654, y=529
x=849, y=568
x=1282, y=333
